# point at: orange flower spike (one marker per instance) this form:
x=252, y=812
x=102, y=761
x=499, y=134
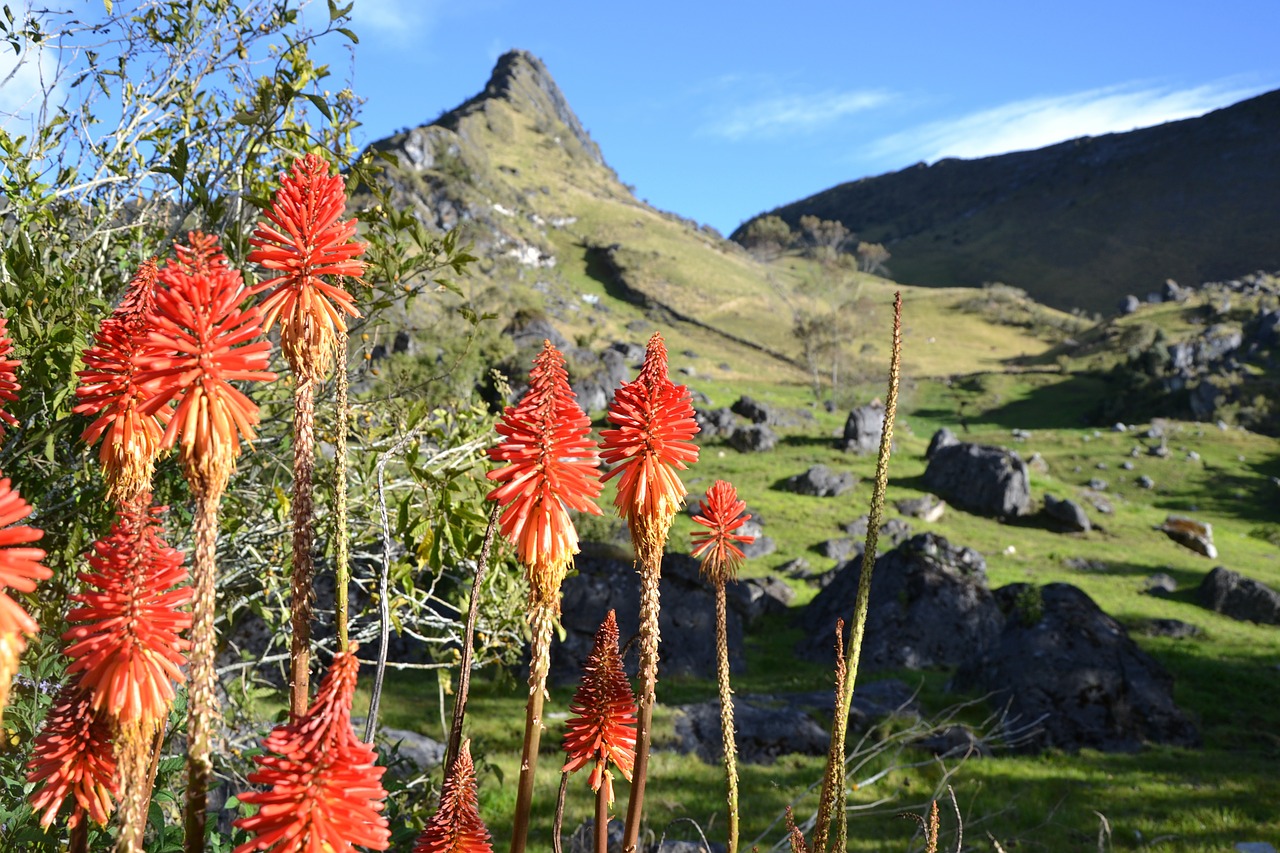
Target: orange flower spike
x=457, y=826
x=8, y=376
x=722, y=513
x=326, y=794
x=130, y=651
x=200, y=342
x=652, y=440
x=604, y=729
x=302, y=239
x=552, y=467
x=20, y=569
x=73, y=756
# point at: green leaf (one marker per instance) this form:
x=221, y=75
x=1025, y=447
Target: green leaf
x=106, y=4
x=320, y=104
x=349, y=34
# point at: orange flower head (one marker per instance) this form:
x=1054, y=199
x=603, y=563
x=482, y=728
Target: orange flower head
x=604, y=729
x=552, y=467
x=722, y=513
x=653, y=439
x=20, y=569
x=326, y=794
x=73, y=755
x=301, y=240
x=200, y=342
x=129, y=651
x=110, y=393
x=457, y=827
x=9, y=386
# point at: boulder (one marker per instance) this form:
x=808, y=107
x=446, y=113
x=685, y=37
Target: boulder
x=930, y=606
x=714, y=423
x=942, y=438
x=757, y=597
x=1232, y=594
x=687, y=620
x=763, y=732
x=1063, y=666
x=841, y=549
x=1161, y=585
x=893, y=532
x=1175, y=629
x=820, y=481
x=753, y=439
x=419, y=752
x=753, y=410
x=602, y=374
x=1130, y=304
x=862, y=429
x=1066, y=514
x=988, y=481
x=927, y=508
x=528, y=332
x=1191, y=534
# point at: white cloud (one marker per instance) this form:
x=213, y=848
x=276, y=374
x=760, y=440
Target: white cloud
x=1037, y=122
x=24, y=79
x=397, y=20
x=791, y=114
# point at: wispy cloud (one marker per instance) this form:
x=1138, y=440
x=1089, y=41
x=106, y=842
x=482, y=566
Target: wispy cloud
x=400, y=21
x=1037, y=122
x=25, y=79
x=789, y=114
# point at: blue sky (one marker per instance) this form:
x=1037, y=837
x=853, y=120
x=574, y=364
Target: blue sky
x=719, y=111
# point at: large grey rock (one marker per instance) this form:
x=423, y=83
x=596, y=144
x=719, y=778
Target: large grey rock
x=1239, y=597
x=753, y=410
x=763, y=732
x=1062, y=664
x=930, y=606
x=820, y=481
x=942, y=438
x=927, y=508
x=715, y=422
x=757, y=597
x=753, y=439
x=1067, y=514
x=601, y=375
x=419, y=751
x=988, y=481
x=687, y=619
x=862, y=429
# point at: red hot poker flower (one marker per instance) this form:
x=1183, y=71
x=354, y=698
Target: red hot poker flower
x=20, y=568
x=73, y=756
x=552, y=468
x=722, y=513
x=130, y=652
x=8, y=376
x=302, y=240
x=325, y=790
x=652, y=440
x=200, y=342
x=604, y=729
x=457, y=826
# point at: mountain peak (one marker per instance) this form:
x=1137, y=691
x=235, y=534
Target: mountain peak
x=522, y=80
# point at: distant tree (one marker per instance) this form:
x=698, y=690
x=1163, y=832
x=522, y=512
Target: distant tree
x=767, y=237
x=822, y=335
x=824, y=238
x=872, y=256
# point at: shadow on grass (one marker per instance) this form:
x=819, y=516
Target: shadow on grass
x=1068, y=404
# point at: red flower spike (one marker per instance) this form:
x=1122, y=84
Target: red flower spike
x=8, y=376
x=604, y=729
x=653, y=439
x=73, y=756
x=110, y=393
x=722, y=513
x=302, y=240
x=325, y=790
x=199, y=343
x=129, y=652
x=457, y=827
x=20, y=569
x=552, y=468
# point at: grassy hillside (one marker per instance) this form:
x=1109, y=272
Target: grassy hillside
x=561, y=236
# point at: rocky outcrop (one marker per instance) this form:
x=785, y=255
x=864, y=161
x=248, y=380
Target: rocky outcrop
x=862, y=429
x=1063, y=666
x=820, y=481
x=988, y=481
x=1239, y=597
x=930, y=606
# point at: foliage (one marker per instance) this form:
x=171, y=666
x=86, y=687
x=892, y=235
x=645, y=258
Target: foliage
x=767, y=237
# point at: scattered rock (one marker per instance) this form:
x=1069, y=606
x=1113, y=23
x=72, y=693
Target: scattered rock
x=930, y=606
x=1067, y=514
x=1084, y=564
x=1037, y=463
x=1127, y=465
x=841, y=549
x=1062, y=664
x=942, y=438
x=927, y=508
x=1098, y=501
x=955, y=742
x=757, y=597
x=1174, y=629
x=419, y=751
x=820, y=481
x=1130, y=304
x=1189, y=533
x=985, y=480
x=798, y=568
x=1239, y=597
x=1160, y=585
x=753, y=410
x=862, y=429
x=764, y=732
x=714, y=423
x=753, y=439
x=1145, y=482
x=1020, y=434
x=1098, y=484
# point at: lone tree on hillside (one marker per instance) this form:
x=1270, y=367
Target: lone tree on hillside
x=872, y=257
x=824, y=238
x=766, y=238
